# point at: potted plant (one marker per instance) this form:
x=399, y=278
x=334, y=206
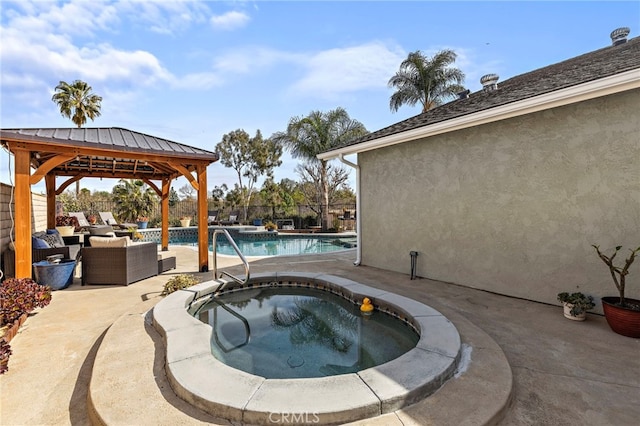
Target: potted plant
x=66, y=225
x=185, y=221
x=142, y=222
x=92, y=219
x=576, y=305
x=270, y=226
x=622, y=313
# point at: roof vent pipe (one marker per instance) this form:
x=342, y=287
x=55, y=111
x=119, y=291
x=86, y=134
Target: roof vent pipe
x=489, y=82
x=619, y=36
x=464, y=94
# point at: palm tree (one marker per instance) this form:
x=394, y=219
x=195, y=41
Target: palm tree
x=306, y=137
x=76, y=101
x=133, y=199
x=429, y=81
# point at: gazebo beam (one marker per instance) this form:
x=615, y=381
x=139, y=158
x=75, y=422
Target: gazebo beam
x=203, y=226
x=164, y=203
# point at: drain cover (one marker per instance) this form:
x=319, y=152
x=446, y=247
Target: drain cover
x=295, y=361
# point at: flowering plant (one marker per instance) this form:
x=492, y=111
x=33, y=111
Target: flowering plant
x=92, y=219
x=143, y=219
x=67, y=221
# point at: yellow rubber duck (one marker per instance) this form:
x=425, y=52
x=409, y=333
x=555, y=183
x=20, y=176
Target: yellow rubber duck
x=366, y=306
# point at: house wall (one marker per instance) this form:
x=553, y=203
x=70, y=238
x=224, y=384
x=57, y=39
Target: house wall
x=513, y=206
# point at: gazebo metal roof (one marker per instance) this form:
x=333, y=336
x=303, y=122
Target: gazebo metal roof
x=113, y=152
x=108, y=152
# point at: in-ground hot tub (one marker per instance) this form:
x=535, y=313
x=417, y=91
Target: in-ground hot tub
x=206, y=382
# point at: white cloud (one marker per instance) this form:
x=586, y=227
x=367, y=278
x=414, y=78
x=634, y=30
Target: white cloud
x=229, y=21
x=342, y=70
x=251, y=59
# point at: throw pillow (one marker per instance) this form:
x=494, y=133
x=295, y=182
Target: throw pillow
x=39, y=243
x=57, y=238
x=52, y=240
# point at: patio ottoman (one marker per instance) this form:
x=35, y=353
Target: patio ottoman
x=166, y=261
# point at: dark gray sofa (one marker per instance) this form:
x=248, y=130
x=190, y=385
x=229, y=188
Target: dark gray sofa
x=119, y=265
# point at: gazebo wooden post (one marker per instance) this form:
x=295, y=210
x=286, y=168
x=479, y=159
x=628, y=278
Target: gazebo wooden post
x=22, y=212
x=166, y=187
x=203, y=226
x=50, y=183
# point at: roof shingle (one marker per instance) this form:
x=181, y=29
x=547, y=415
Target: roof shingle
x=591, y=66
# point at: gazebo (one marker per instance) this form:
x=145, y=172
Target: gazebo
x=77, y=153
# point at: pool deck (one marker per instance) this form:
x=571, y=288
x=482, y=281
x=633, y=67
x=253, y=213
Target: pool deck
x=562, y=372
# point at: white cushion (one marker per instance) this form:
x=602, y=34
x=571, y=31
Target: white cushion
x=109, y=241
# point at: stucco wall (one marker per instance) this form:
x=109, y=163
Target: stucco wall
x=511, y=207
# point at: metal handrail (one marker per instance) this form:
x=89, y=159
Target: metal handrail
x=247, y=328
x=235, y=247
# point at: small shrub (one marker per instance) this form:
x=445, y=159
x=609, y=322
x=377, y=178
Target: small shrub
x=270, y=226
x=20, y=296
x=179, y=282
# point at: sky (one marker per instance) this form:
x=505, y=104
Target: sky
x=193, y=71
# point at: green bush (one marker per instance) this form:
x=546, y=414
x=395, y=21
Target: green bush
x=179, y=282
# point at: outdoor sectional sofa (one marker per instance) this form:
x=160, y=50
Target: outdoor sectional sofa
x=118, y=261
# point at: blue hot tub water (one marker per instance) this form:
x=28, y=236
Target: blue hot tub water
x=282, y=333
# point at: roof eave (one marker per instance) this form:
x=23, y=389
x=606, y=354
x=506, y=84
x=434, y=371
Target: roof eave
x=617, y=83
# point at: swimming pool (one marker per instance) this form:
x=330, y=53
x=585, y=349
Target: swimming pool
x=279, y=245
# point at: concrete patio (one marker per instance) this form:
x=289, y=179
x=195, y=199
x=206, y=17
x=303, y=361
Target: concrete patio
x=561, y=371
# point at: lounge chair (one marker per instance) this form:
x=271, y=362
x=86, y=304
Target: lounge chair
x=82, y=220
x=213, y=217
x=108, y=219
x=233, y=219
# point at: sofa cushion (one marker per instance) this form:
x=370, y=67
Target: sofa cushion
x=109, y=241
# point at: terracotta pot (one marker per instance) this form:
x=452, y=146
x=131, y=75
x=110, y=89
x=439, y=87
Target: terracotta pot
x=623, y=321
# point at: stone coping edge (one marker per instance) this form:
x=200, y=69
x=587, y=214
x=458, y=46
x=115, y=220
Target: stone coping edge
x=200, y=379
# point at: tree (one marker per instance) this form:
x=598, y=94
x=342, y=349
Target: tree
x=311, y=188
x=430, y=81
x=77, y=103
x=133, y=199
x=278, y=195
x=217, y=194
x=306, y=137
x=173, y=197
x=187, y=191
x=250, y=158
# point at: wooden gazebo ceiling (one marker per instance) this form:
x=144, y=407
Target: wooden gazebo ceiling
x=105, y=152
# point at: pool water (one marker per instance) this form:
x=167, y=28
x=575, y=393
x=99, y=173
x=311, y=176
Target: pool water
x=279, y=246
x=282, y=333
